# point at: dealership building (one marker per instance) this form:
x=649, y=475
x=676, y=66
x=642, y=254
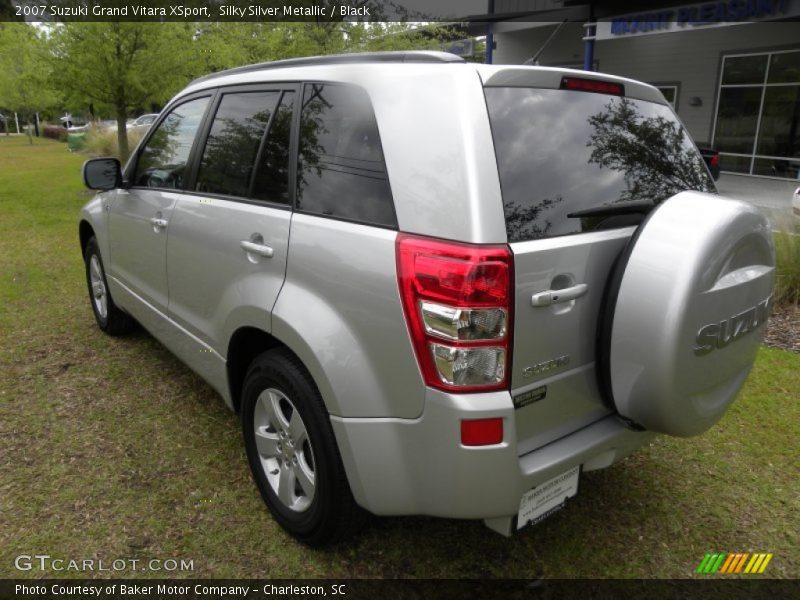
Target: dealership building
x=731, y=69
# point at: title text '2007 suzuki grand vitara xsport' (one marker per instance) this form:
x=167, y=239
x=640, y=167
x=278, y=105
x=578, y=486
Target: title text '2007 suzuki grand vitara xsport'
x=431, y=287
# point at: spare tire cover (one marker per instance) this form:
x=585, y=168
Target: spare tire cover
x=688, y=312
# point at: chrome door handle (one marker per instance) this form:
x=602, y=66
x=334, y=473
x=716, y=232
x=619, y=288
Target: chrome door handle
x=549, y=297
x=254, y=248
x=159, y=223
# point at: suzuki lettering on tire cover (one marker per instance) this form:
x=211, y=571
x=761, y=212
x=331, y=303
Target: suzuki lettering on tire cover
x=691, y=305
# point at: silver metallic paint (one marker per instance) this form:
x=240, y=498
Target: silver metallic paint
x=721, y=263
x=418, y=466
x=138, y=248
x=340, y=312
x=216, y=287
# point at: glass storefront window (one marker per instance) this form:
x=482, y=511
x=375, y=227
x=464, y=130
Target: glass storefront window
x=785, y=68
x=744, y=69
x=780, y=121
x=735, y=164
x=774, y=167
x=757, y=128
x=737, y=119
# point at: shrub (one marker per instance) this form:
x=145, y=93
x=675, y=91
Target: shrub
x=103, y=141
x=787, y=260
x=54, y=133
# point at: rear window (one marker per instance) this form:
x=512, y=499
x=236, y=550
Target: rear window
x=564, y=151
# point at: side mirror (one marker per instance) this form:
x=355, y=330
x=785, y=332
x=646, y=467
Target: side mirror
x=102, y=173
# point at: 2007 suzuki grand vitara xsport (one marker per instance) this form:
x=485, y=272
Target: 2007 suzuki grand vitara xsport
x=431, y=287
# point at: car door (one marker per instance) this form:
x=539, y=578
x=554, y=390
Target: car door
x=229, y=232
x=139, y=215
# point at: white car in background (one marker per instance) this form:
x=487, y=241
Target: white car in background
x=796, y=203
x=143, y=122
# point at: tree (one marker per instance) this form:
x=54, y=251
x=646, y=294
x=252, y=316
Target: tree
x=125, y=66
x=654, y=152
x=122, y=66
x=26, y=85
x=223, y=45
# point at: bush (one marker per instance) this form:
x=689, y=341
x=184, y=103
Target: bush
x=787, y=260
x=103, y=141
x=54, y=133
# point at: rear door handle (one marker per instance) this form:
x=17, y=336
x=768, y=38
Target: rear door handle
x=159, y=223
x=549, y=297
x=254, y=248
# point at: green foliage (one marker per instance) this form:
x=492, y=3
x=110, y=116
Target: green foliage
x=119, y=68
x=122, y=66
x=103, y=141
x=219, y=46
x=787, y=258
x=26, y=84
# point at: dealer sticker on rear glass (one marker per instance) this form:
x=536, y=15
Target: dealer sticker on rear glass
x=548, y=497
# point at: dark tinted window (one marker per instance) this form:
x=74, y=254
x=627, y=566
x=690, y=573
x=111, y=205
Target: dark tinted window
x=162, y=161
x=233, y=142
x=341, y=172
x=563, y=151
x=737, y=118
x=784, y=68
x=744, y=69
x=272, y=174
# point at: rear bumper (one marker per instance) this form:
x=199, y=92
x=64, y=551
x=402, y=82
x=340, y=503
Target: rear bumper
x=418, y=466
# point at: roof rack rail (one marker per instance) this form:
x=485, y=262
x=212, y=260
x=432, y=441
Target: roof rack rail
x=416, y=56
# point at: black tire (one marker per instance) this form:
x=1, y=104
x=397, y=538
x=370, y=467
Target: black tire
x=115, y=321
x=332, y=513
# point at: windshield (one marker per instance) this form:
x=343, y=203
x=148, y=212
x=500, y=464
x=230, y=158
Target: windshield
x=564, y=151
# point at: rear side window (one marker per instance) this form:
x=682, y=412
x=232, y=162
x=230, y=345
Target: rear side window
x=162, y=161
x=562, y=151
x=227, y=166
x=341, y=171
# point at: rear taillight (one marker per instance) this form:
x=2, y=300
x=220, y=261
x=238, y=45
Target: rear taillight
x=714, y=161
x=458, y=305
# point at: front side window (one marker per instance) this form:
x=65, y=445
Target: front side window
x=162, y=161
x=341, y=171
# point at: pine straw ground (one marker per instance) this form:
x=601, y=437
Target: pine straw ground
x=783, y=329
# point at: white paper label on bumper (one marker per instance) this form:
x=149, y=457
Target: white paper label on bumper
x=546, y=498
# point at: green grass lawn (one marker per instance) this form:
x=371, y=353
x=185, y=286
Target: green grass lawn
x=111, y=448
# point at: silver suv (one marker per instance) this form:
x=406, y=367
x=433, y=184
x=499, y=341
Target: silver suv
x=431, y=287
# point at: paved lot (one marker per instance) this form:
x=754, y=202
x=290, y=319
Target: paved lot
x=772, y=196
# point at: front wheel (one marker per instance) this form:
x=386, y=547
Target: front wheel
x=292, y=451
x=110, y=318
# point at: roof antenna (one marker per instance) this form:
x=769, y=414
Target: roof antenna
x=534, y=60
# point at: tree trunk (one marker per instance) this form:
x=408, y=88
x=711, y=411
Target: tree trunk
x=122, y=133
